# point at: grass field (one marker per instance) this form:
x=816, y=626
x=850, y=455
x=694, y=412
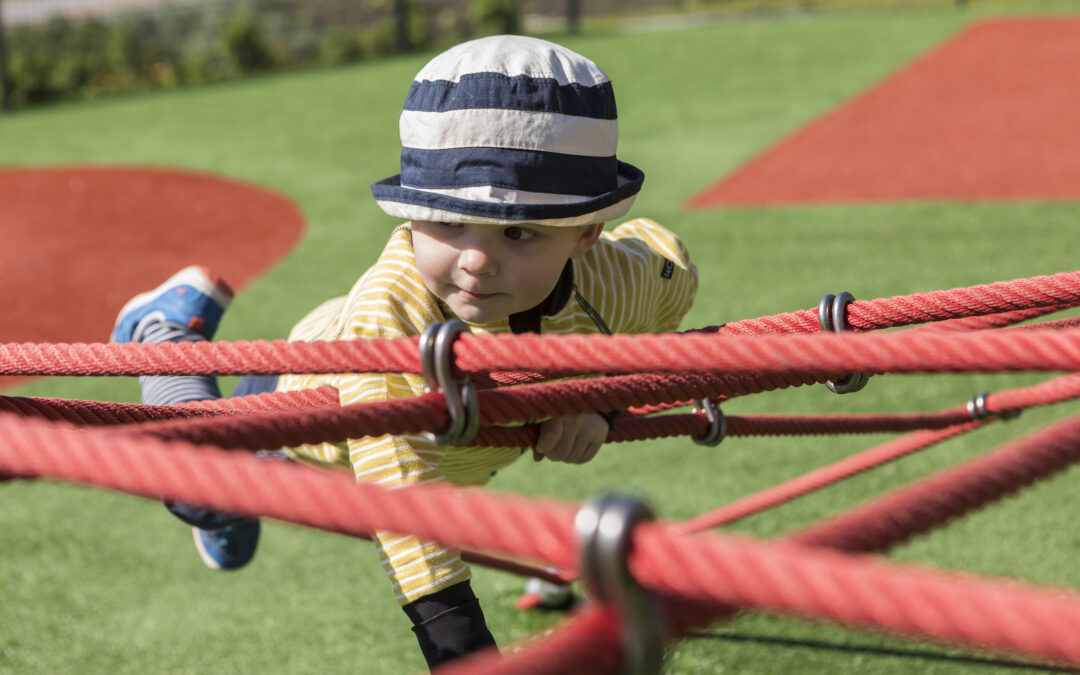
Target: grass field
x=94, y=582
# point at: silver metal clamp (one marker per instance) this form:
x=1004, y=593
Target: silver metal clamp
x=717, y=423
x=832, y=317
x=976, y=407
x=436, y=362
x=604, y=527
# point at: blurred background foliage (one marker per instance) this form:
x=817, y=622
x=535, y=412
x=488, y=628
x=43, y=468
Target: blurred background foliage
x=53, y=50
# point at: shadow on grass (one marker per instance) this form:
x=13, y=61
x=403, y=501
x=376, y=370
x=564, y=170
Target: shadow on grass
x=924, y=654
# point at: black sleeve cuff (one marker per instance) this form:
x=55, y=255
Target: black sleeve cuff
x=448, y=624
x=610, y=417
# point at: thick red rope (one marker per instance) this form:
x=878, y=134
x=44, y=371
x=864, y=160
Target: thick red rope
x=933, y=502
x=240, y=483
x=826, y=475
x=1001, y=320
x=1020, y=295
x=859, y=591
x=586, y=643
x=1057, y=290
x=98, y=413
x=817, y=355
x=724, y=569
x=1001, y=299
x=321, y=421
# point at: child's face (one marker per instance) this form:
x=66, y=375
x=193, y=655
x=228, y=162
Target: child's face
x=485, y=273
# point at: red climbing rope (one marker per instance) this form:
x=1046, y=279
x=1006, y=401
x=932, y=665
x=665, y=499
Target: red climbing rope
x=1057, y=290
x=701, y=577
x=98, y=413
x=859, y=591
x=826, y=475
x=726, y=570
x=928, y=504
x=821, y=355
x=587, y=643
x=1001, y=320
x=1036, y=293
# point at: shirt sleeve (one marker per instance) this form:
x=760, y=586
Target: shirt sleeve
x=642, y=275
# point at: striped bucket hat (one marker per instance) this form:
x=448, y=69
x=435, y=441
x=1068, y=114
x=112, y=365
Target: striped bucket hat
x=510, y=129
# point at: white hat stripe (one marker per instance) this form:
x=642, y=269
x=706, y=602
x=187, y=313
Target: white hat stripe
x=514, y=129
x=409, y=211
x=487, y=193
x=512, y=55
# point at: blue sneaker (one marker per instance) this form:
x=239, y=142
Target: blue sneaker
x=229, y=548
x=191, y=297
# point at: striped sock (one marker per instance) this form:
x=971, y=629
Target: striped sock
x=171, y=389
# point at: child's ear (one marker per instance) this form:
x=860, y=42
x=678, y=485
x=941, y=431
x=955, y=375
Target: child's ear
x=589, y=236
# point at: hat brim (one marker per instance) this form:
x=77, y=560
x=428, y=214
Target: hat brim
x=419, y=204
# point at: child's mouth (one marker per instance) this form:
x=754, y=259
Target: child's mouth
x=472, y=295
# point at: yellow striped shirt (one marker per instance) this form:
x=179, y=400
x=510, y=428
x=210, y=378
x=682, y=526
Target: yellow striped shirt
x=638, y=278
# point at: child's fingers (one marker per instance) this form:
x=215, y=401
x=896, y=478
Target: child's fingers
x=551, y=432
x=575, y=439
x=583, y=451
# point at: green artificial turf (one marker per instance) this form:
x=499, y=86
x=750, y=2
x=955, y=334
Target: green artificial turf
x=93, y=581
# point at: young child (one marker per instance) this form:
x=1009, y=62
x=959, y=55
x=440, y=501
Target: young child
x=508, y=174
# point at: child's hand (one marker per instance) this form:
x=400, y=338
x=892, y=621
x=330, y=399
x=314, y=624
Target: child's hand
x=572, y=438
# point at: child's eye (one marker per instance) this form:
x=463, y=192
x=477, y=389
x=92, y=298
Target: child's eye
x=518, y=233
x=441, y=224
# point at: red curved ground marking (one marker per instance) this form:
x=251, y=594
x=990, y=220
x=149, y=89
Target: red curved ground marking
x=78, y=242
x=989, y=115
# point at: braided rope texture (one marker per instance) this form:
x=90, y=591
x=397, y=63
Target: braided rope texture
x=1015, y=299
x=815, y=356
x=755, y=574
x=728, y=570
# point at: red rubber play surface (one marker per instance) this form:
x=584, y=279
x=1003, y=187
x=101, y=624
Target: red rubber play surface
x=990, y=114
x=80, y=241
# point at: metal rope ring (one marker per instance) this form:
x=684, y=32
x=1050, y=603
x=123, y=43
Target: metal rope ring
x=604, y=527
x=832, y=317
x=824, y=313
x=976, y=406
x=436, y=361
x=427, y=356
x=717, y=423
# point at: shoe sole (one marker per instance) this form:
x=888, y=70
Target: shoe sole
x=207, y=559
x=196, y=276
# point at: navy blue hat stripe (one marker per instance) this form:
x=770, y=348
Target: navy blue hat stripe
x=390, y=190
x=521, y=92
x=527, y=170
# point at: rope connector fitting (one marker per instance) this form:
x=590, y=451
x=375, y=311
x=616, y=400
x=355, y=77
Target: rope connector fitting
x=436, y=362
x=717, y=423
x=976, y=407
x=604, y=527
x=832, y=317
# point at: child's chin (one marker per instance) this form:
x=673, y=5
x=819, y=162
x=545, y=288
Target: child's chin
x=476, y=315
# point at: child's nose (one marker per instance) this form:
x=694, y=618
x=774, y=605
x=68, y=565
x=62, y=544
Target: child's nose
x=478, y=260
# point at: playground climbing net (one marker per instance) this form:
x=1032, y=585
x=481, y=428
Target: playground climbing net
x=650, y=581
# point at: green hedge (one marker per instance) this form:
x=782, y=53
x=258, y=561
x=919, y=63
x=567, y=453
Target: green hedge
x=180, y=45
